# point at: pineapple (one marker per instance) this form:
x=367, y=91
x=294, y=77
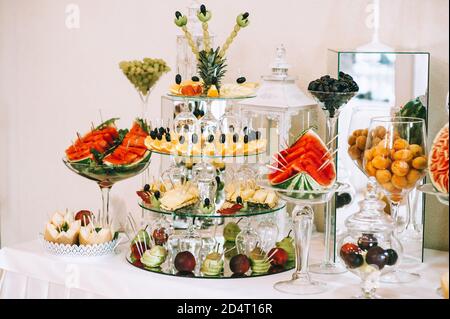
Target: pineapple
x=211, y=68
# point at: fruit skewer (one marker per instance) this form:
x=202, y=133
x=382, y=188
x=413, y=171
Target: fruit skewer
x=204, y=16
x=241, y=22
x=181, y=21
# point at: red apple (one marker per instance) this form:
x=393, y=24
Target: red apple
x=84, y=216
x=185, y=262
x=239, y=264
x=278, y=256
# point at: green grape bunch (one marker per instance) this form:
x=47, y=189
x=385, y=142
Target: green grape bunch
x=144, y=74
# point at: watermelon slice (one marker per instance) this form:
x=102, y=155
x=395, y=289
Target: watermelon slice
x=438, y=161
x=99, y=139
x=132, y=149
x=306, y=165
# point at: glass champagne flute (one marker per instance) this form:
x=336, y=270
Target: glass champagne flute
x=395, y=155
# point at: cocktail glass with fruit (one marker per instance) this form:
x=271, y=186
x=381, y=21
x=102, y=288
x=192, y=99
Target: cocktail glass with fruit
x=396, y=155
x=332, y=95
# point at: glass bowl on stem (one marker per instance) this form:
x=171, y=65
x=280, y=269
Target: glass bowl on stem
x=331, y=104
x=395, y=155
x=106, y=176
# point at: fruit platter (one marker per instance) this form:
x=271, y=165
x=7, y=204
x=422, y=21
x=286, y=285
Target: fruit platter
x=79, y=235
x=171, y=257
x=108, y=155
x=211, y=63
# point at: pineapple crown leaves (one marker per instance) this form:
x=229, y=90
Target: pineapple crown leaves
x=211, y=67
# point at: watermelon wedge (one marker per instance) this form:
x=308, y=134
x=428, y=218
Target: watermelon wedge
x=306, y=165
x=132, y=149
x=99, y=139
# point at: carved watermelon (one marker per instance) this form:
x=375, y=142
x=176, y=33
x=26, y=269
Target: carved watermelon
x=306, y=165
x=438, y=161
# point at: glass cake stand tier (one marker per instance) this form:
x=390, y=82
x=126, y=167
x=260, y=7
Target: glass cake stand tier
x=215, y=156
x=167, y=268
x=430, y=190
x=208, y=99
x=194, y=211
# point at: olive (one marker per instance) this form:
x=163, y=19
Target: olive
x=245, y=139
x=257, y=135
x=157, y=195
x=178, y=79
x=195, y=138
x=146, y=187
x=181, y=139
x=153, y=135
x=235, y=137
x=159, y=137
x=168, y=138
x=245, y=15
x=239, y=200
x=203, y=9
x=241, y=80
x=195, y=78
x=178, y=14
x=211, y=138
x=206, y=202
x=223, y=138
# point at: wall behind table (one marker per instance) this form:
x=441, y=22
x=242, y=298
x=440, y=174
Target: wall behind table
x=53, y=80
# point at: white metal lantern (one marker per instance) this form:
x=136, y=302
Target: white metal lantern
x=282, y=103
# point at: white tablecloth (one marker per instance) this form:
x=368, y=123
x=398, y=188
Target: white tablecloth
x=29, y=272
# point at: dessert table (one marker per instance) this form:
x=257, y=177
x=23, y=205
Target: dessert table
x=30, y=272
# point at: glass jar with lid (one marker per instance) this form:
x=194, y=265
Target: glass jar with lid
x=369, y=247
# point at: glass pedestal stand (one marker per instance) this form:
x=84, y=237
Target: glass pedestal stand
x=301, y=282
x=302, y=220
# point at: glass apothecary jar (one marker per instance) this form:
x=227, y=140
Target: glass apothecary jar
x=369, y=247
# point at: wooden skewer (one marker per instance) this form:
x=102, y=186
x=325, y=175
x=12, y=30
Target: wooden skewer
x=275, y=168
x=278, y=161
x=328, y=153
x=327, y=162
x=332, y=140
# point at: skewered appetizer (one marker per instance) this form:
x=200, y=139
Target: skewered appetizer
x=62, y=229
x=210, y=62
x=219, y=144
x=213, y=264
x=154, y=257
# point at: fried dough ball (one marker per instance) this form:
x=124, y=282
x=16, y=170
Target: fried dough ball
x=381, y=162
x=400, y=168
x=419, y=162
x=383, y=176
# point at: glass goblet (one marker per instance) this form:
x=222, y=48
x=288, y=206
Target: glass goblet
x=396, y=155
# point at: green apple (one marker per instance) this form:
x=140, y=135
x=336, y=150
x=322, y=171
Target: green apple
x=142, y=236
x=230, y=231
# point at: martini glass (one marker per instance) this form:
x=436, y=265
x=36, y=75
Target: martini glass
x=302, y=221
x=399, y=162
x=106, y=176
x=331, y=103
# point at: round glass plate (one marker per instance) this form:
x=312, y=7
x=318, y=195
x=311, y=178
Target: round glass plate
x=194, y=211
x=205, y=98
x=304, y=197
x=430, y=190
x=262, y=153
x=168, y=269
